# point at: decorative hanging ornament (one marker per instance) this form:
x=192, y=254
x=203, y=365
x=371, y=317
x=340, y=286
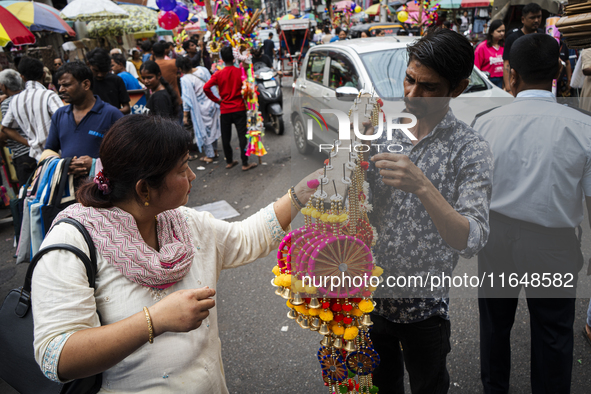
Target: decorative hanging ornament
x=166, y=5
x=182, y=11
x=402, y=16
x=168, y=20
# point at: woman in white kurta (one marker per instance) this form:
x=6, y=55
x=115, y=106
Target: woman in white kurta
x=169, y=264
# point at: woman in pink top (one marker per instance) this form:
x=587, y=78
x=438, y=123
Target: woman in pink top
x=488, y=56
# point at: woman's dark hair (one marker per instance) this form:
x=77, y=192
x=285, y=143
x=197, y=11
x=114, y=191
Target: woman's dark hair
x=184, y=63
x=535, y=58
x=31, y=69
x=494, y=25
x=136, y=147
x=446, y=52
x=99, y=58
x=153, y=68
x=78, y=70
x=119, y=59
x=227, y=55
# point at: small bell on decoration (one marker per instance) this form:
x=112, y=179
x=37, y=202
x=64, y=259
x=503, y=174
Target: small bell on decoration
x=324, y=330
x=326, y=341
x=279, y=290
x=286, y=293
x=314, y=303
x=297, y=299
x=350, y=346
x=299, y=319
x=316, y=323
x=305, y=324
x=292, y=314
x=338, y=343
x=366, y=320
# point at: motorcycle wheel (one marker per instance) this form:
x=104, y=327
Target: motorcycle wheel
x=278, y=126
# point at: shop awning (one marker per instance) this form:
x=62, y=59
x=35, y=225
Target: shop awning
x=475, y=3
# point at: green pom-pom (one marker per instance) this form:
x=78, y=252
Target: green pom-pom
x=351, y=374
x=343, y=389
x=373, y=390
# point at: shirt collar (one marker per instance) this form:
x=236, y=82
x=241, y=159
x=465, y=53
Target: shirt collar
x=536, y=93
x=449, y=120
x=34, y=85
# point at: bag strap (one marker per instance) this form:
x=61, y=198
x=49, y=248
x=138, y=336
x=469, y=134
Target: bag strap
x=24, y=302
x=64, y=178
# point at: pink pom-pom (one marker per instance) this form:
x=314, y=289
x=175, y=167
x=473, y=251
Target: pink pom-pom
x=313, y=183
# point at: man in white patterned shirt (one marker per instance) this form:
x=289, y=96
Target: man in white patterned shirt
x=31, y=110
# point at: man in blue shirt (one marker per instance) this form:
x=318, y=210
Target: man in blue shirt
x=118, y=63
x=78, y=129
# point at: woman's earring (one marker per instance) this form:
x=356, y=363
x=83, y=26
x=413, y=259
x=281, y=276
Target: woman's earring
x=146, y=203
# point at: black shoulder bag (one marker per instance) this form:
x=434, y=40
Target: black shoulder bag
x=18, y=367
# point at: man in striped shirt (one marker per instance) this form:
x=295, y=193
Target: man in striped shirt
x=11, y=84
x=31, y=110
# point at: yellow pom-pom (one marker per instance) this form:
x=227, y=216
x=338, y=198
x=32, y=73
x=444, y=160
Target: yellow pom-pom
x=350, y=333
x=276, y=270
x=305, y=211
x=302, y=309
x=326, y=315
x=310, y=289
x=289, y=304
x=377, y=271
x=343, y=217
x=366, y=306
x=332, y=324
x=332, y=218
x=278, y=280
x=356, y=312
x=314, y=312
x=297, y=286
x=338, y=330
x=324, y=217
x=316, y=214
x=286, y=280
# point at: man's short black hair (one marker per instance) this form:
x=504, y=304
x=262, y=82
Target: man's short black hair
x=187, y=43
x=119, y=59
x=270, y=35
x=78, y=70
x=146, y=46
x=531, y=8
x=158, y=49
x=535, y=58
x=31, y=69
x=337, y=30
x=99, y=58
x=227, y=55
x=448, y=53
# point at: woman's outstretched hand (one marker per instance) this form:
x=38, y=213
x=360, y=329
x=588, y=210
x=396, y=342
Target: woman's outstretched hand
x=303, y=190
x=182, y=311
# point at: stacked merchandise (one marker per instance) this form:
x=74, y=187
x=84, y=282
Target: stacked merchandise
x=49, y=190
x=575, y=26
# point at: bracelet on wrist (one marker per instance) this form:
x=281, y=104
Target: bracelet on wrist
x=293, y=199
x=150, y=327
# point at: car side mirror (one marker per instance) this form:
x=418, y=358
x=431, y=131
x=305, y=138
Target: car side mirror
x=346, y=93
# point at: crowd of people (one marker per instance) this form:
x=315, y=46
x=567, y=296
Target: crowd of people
x=498, y=188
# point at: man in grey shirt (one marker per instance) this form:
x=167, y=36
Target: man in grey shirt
x=542, y=174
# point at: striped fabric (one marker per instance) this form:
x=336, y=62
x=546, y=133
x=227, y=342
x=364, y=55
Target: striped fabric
x=16, y=148
x=32, y=109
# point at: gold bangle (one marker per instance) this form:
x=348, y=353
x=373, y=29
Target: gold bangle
x=298, y=207
x=150, y=327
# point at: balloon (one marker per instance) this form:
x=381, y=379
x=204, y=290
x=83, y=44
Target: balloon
x=353, y=5
x=357, y=9
x=402, y=16
x=200, y=3
x=168, y=20
x=181, y=11
x=166, y=5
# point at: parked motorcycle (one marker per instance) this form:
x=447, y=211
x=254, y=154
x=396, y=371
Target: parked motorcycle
x=270, y=98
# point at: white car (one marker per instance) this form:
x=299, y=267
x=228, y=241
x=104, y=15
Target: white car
x=366, y=64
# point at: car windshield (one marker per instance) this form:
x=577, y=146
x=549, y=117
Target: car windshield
x=386, y=70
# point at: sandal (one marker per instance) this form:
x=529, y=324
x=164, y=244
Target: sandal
x=248, y=167
x=232, y=164
x=207, y=160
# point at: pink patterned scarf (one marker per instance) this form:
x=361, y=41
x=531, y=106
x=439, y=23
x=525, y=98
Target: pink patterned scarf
x=118, y=240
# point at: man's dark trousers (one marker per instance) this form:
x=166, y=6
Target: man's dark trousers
x=239, y=120
x=518, y=247
x=425, y=346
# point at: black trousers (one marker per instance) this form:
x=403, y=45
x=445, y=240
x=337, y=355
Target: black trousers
x=519, y=248
x=24, y=166
x=239, y=120
x=422, y=347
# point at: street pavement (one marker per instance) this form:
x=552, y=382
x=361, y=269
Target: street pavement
x=264, y=351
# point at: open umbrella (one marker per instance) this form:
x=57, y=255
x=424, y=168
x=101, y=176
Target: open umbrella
x=38, y=16
x=88, y=10
x=287, y=17
x=343, y=5
x=375, y=10
x=13, y=30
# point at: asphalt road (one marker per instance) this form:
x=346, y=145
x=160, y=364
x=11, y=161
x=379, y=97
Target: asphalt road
x=264, y=351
